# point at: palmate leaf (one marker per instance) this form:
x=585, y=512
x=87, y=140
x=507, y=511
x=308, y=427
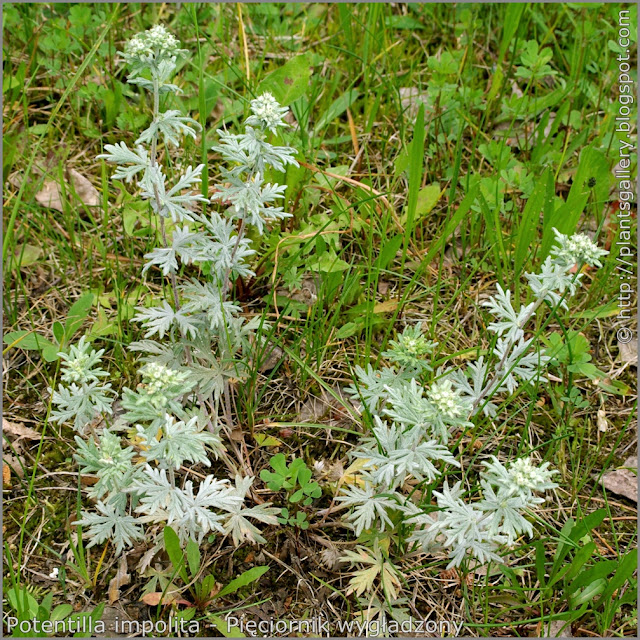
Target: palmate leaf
x=81, y=403
x=110, y=523
x=159, y=320
x=238, y=524
x=368, y=507
x=173, y=203
x=507, y=319
x=172, y=125
x=206, y=301
x=108, y=460
x=121, y=155
x=180, y=442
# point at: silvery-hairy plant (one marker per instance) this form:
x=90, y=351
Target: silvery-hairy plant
x=194, y=342
x=413, y=418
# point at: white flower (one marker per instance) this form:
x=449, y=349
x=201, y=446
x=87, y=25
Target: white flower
x=446, y=399
x=156, y=41
x=54, y=573
x=522, y=478
x=78, y=365
x=577, y=249
x=267, y=113
x=158, y=378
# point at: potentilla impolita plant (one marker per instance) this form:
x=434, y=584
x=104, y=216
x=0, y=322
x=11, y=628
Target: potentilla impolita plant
x=413, y=419
x=194, y=341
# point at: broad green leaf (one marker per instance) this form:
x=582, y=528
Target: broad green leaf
x=593, y=165
x=28, y=340
x=61, y=612
x=388, y=253
x=588, y=593
x=58, y=331
x=626, y=567
x=290, y=81
x=50, y=353
x=329, y=262
x=22, y=602
x=581, y=557
x=77, y=313
x=599, y=571
x=350, y=328
x=279, y=464
x=528, y=224
x=265, y=440
x=243, y=580
x=416, y=160
x=193, y=557
x=174, y=551
x=427, y=199
x=26, y=255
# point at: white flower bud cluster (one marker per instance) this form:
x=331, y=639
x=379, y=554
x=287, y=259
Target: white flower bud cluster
x=446, y=399
x=158, y=378
x=577, y=249
x=156, y=42
x=78, y=365
x=267, y=113
x=526, y=476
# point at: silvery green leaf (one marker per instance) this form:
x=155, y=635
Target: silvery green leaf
x=172, y=125
x=172, y=204
x=81, y=403
x=553, y=281
x=250, y=199
x=160, y=320
x=471, y=383
x=164, y=258
x=180, y=442
x=252, y=153
x=120, y=154
x=205, y=299
x=505, y=510
x=108, y=460
x=170, y=354
x=110, y=523
x=81, y=363
x=374, y=385
x=465, y=528
x=367, y=507
x=238, y=524
x=508, y=320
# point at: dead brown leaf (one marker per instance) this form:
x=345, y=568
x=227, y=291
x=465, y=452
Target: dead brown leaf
x=50, y=195
x=628, y=352
x=121, y=579
x=6, y=476
x=19, y=430
x=15, y=464
x=623, y=481
x=154, y=599
x=556, y=629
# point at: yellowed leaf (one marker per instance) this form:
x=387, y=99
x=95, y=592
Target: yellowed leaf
x=386, y=307
x=352, y=474
x=265, y=440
